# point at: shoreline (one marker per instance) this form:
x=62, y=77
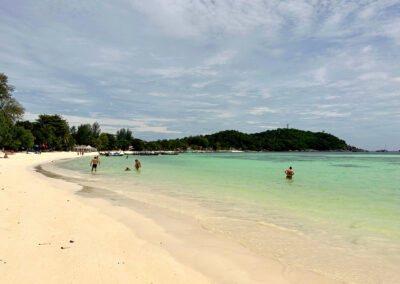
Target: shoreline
x=111, y=242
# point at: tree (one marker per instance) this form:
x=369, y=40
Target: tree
x=101, y=142
x=86, y=133
x=26, y=124
x=16, y=136
x=83, y=134
x=22, y=138
x=73, y=131
x=112, y=141
x=9, y=106
x=53, y=131
x=137, y=144
x=124, y=138
x=95, y=129
x=6, y=127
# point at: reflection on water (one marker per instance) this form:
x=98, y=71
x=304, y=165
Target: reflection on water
x=289, y=180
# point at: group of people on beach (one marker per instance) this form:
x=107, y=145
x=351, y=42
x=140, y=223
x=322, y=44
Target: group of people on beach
x=96, y=161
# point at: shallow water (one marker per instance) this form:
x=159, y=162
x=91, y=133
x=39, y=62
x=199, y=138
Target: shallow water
x=338, y=216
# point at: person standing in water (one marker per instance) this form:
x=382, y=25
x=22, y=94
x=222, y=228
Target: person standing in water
x=138, y=165
x=95, y=161
x=289, y=173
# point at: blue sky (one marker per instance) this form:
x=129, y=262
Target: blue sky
x=175, y=68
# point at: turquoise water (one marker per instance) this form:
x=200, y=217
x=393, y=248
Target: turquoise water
x=339, y=215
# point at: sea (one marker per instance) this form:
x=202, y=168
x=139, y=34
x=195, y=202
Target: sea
x=338, y=216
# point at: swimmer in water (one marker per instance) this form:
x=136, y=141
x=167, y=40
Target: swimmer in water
x=289, y=173
x=138, y=165
x=127, y=169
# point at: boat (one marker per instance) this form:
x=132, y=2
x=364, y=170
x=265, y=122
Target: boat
x=148, y=153
x=110, y=154
x=169, y=153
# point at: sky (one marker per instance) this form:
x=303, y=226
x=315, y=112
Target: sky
x=174, y=68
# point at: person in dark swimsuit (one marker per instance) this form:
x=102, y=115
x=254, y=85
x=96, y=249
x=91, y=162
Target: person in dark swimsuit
x=289, y=173
x=94, y=163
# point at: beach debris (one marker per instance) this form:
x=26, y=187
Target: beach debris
x=64, y=247
x=44, y=244
x=71, y=241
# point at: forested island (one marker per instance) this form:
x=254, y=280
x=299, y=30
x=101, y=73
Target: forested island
x=281, y=139
x=52, y=132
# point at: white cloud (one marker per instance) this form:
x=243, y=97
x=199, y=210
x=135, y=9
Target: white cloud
x=227, y=113
x=268, y=126
x=220, y=59
x=261, y=110
x=136, y=125
x=74, y=100
x=201, y=84
x=326, y=113
x=207, y=68
x=173, y=72
x=373, y=76
x=156, y=129
x=158, y=94
x=112, y=54
x=393, y=31
x=314, y=18
x=320, y=75
x=196, y=18
x=331, y=97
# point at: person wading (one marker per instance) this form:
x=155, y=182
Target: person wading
x=138, y=165
x=289, y=173
x=94, y=163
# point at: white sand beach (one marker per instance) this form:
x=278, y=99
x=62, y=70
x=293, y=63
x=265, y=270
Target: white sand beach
x=48, y=234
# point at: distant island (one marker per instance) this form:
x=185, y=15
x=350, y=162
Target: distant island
x=281, y=139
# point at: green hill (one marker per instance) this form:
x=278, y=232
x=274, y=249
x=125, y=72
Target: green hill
x=282, y=139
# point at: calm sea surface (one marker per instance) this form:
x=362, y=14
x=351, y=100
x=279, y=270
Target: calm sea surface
x=339, y=215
